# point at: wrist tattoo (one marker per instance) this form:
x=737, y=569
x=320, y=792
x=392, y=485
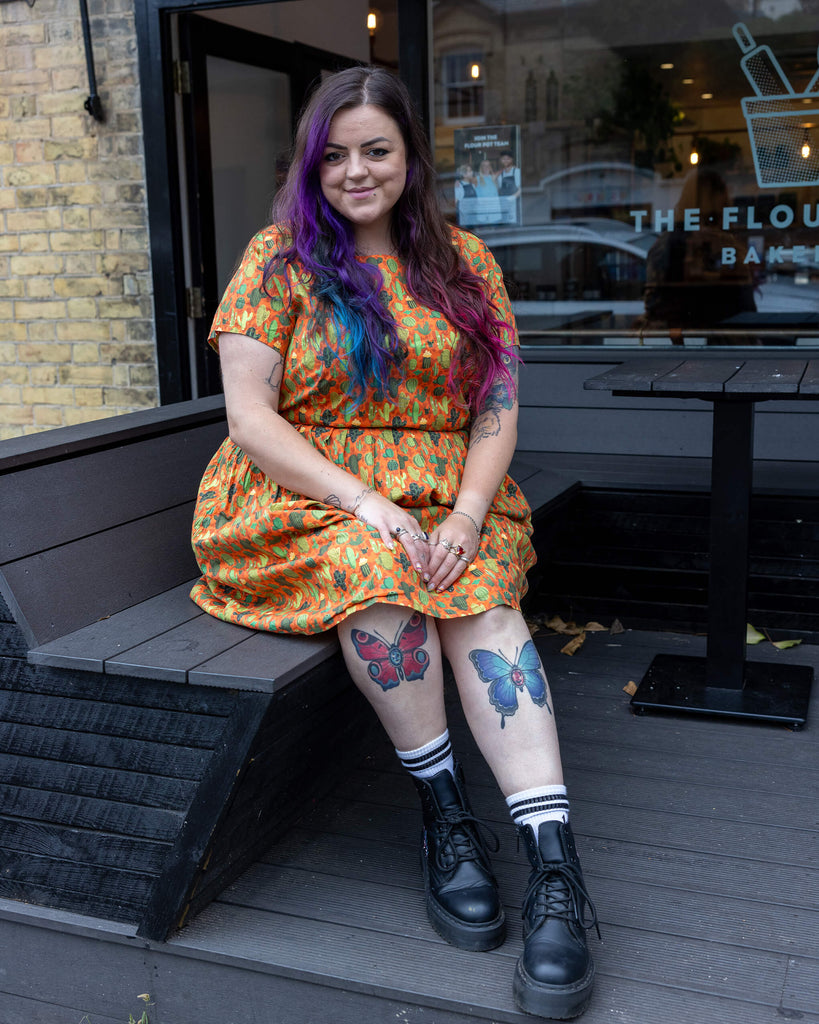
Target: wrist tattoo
x=334, y=500
x=358, y=500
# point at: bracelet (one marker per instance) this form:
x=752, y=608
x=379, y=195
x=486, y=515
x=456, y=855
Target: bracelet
x=478, y=529
x=360, y=498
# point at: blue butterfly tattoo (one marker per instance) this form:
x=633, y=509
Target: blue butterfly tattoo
x=506, y=678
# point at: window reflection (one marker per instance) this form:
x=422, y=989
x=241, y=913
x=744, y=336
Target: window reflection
x=665, y=164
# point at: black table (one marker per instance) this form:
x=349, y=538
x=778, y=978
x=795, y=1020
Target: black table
x=723, y=682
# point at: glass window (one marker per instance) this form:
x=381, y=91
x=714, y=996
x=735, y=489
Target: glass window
x=644, y=173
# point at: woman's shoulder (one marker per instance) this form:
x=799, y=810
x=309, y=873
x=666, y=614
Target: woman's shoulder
x=473, y=250
x=270, y=241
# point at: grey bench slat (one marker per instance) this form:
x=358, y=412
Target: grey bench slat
x=758, y=376
x=89, y=647
x=64, y=588
x=711, y=376
x=266, y=661
x=172, y=654
x=57, y=503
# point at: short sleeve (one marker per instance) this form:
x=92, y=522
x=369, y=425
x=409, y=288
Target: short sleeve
x=481, y=261
x=263, y=311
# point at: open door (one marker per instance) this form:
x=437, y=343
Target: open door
x=241, y=95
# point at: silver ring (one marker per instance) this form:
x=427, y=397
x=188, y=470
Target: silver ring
x=418, y=536
x=462, y=558
x=398, y=530
x=445, y=543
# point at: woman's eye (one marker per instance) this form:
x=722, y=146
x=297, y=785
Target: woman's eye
x=332, y=158
x=378, y=152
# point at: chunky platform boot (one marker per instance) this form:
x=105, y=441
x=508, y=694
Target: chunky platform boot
x=461, y=892
x=555, y=975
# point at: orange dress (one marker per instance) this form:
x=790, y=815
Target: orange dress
x=272, y=559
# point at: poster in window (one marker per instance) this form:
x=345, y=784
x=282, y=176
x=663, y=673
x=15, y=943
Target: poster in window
x=487, y=175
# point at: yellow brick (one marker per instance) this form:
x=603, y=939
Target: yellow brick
x=9, y=243
x=118, y=217
x=143, y=376
x=83, y=330
x=116, y=264
x=42, y=263
x=41, y=330
x=20, y=34
x=13, y=332
x=53, y=353
x=48, y=416
x=14, y=375
x=12, y=288
x=120, y=308
x=83, y=415
x=67, y=287
x=70, y=171
x=6, y=310
x=16, y=415
x=39, y=288
x=27, y=128
x=76, y=218
x=63, y=79
x=75, y=241
x=27, y=152
x=5, y=106
x=9, y=395
x=29, y=197
x=70, y=149
x=32, y=174
x=82, y=309
x=42, y=376
x=6, y=433
x=7, y=197
x=33, y=220
x=88, y=396
x=136, y=398
x=70, y=126
x=34, y=242
x=85, y=352
x=121, y=378
x=48, y=396
x=127, y=353
x=71, y=374
x=8, y=352
x=58, y=56
x=61, y=102
x=74, y=195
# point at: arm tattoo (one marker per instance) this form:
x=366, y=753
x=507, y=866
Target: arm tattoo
x=274, y=379
x=334, y=500
x=502, y=395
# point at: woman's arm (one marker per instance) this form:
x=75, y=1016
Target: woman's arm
x=251, y=378
x=492, y=441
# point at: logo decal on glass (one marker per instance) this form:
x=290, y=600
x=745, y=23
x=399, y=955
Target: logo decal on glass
x=778, y=118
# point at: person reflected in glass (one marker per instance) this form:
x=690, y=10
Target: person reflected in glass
x=369, y=359
x=465, y=194
x=508, y=182
x=690, y=285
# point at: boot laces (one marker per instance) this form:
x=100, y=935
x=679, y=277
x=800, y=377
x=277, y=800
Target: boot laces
x=459, y=838
x=558, y=890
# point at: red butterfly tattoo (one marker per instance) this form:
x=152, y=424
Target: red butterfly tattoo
x=392, y=663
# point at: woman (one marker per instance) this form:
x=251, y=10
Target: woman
x=369, y=376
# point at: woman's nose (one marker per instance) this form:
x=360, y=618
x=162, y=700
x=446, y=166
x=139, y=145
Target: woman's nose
x=355, y=167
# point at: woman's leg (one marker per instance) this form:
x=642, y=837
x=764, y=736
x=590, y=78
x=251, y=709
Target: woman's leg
x=394, y=657
x=509, y=709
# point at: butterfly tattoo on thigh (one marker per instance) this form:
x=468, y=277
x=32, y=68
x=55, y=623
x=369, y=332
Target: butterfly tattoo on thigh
x=390, y=663
x=509, y=679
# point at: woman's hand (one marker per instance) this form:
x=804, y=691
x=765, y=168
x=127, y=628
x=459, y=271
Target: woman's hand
x=394, y=524
x=452, y=547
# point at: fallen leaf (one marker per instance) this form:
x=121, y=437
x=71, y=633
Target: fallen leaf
x=783, y=645
x=752, y=635
x=630, y=688
x=574, y=645
x=594, y=627
x=616, y=627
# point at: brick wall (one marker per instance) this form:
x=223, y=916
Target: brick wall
x=76, y=319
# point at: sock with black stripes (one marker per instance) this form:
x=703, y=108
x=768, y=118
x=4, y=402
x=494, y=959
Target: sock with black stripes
x=533, y=806
x=430, y=759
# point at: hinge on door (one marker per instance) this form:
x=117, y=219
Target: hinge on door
x=181, y=77
x=194, y=303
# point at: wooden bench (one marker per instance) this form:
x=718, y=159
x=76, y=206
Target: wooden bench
x=149, y=753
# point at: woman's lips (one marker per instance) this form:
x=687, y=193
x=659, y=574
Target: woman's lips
x=361, y=193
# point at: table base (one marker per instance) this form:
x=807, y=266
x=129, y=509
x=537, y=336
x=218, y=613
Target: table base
x=770, y=693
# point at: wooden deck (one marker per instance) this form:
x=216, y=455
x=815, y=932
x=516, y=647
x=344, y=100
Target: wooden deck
x=699, y=844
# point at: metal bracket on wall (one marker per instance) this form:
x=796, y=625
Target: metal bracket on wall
x=93, y=104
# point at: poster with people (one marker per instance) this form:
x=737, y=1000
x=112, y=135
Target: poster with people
x=487, y=175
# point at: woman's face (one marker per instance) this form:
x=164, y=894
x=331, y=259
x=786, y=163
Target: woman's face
x=364, y=168
x=486, y=167
x=507, y=161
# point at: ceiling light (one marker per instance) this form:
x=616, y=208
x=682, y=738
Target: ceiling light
x=707, y=96
x=666, y=67
x=688, y=81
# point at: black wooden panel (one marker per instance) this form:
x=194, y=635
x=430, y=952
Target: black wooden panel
x=81, y=846
x=778, y=375
x=632, y=376
x=89, y=647
x=51, y=505
x=810, y=379
x=265, y=661
x=172, y=654
x=698, y=375
x=12, y=642
x=64, y=588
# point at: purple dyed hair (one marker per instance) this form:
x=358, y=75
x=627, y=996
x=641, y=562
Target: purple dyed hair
x=322, y=242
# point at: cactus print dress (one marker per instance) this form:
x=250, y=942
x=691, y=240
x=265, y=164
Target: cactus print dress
x=272, y=559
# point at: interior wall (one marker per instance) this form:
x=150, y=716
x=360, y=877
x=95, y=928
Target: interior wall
x=335, y=27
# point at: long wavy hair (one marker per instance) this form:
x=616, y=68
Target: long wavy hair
x=321, y=241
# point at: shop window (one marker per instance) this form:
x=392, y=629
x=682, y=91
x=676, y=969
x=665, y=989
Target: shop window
x=643, y=173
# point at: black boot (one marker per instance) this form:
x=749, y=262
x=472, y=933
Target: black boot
x=555, y=975
x=461, y=891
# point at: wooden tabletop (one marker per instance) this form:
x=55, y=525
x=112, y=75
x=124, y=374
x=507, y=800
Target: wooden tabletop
x=712, y=378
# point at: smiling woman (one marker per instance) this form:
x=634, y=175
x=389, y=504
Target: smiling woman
x=369, y=358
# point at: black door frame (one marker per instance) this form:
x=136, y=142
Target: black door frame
x=153, y=29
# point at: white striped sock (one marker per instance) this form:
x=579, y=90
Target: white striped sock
x=544, y=803
x=430, y=759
